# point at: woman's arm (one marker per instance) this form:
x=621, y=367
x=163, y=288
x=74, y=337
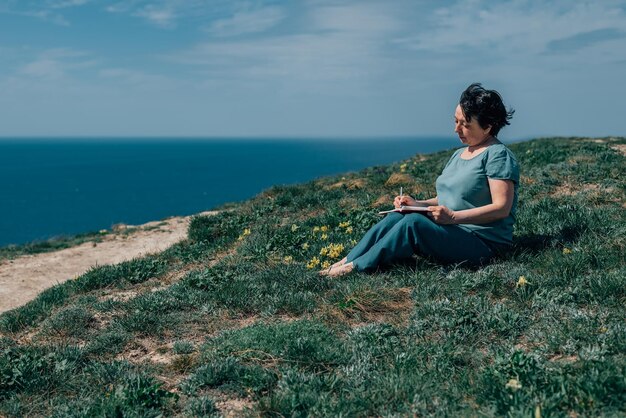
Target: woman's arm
x=433, y=201
x=502, y=194
x=409, y=201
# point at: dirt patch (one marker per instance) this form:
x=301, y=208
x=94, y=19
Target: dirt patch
x=564, y=359
x=230, y=405
x=621, y=148
x=582, y=159
x=382, y=200
x=419, y=158
x=569, y=189
x=350, y=184
x=234, y=407
x=400, y=179
x=393, y=306
x=147, y=350
x=23, y=278
x=349, y=203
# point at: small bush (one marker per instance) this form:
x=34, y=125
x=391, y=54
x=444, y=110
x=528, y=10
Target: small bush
x=231, y=373
x=201, y=407
x=134, y=271
x=31, y=313
x=108, y=343
x=70, y=322
x=137, y=395
x=30, y=370
x=183, y=347
x=218, y=230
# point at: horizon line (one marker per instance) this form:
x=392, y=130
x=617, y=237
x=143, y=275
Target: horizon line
x=260, y=137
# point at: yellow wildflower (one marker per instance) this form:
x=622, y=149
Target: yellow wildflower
x=332, y=250
x=294, y=228
x=344, y=224
x=349, y=230
x=288, y=259
x=522, y=281
x=326, y=264
x=513, y=384
x=245, y=233
x=305, y=246
x=335, y=250
x=324, y=236
x=353, y=242
x=316, y=229
x=402, y=167
x=603, y=330
x=313, y=263
x=567, y=251
x=324, y=228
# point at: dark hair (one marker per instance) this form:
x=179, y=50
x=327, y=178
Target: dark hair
x=486, y=106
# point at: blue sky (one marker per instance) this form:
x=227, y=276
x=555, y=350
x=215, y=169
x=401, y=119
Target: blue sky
x=318, y=68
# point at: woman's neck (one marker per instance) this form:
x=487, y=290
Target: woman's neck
x=485, y=142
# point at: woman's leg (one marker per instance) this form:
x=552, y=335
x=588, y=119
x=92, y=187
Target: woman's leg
x=415, y=233
x=374, y=234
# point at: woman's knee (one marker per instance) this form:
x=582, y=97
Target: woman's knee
x=417, y=221
x=391, y=219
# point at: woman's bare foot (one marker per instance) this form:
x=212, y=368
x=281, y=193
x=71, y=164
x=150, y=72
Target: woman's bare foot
x=340, y=263
x=340, y=270
x=327, y=271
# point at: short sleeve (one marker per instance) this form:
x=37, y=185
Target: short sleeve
x=502, y=165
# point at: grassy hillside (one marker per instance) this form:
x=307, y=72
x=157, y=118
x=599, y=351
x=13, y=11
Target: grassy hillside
x=235, y=320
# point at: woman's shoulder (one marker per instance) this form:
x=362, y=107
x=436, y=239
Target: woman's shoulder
x=499, y=150
x=500, y=162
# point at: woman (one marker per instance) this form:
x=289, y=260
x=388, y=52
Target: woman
x=471, y=218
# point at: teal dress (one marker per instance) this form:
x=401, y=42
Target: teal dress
x=463, y=184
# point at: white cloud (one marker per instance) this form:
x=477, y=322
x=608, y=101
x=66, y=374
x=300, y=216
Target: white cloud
x=333, y=42
x=44, y=68
x=515, y=26
x=45, y=15
x=135, y=78
x=62, y=4
x=162, y=16
x=57, y=63
x=247, y=21
x=363, y=17
x=48, y=10
x=322, y=57
x=168, y=13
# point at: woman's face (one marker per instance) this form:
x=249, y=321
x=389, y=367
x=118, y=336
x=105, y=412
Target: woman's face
x=470, y=133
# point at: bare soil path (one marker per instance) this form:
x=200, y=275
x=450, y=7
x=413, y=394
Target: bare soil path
x=23, y=278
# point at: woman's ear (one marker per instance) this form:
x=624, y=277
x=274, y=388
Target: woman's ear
x=488, y=130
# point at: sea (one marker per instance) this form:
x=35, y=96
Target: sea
x=61, y=187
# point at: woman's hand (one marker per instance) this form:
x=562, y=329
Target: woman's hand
x=442, y=215
x=404, y=200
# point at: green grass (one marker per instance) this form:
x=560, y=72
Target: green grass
x=235, y=319
x=11, y=252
